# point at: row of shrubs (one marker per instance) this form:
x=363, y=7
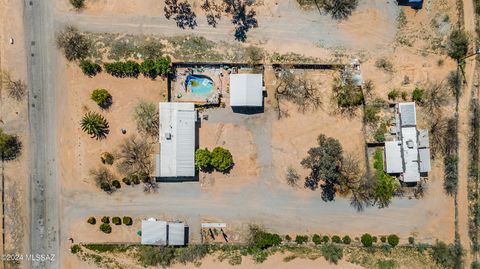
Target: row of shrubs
x=367, y=240
x=219, y=159
x=105, y=226
x=149, y=68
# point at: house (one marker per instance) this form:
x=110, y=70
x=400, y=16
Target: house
x=408, y=155
x=154, y=232
x=177, y=140
x=246, y=90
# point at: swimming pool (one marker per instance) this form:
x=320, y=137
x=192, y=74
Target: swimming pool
x=199, y=84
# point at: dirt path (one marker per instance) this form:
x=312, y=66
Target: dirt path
x=463, y=131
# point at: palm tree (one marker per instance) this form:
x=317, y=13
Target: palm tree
x=95, y=125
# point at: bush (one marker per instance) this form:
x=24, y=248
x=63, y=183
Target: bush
x=339, y=9
x=127, y=221
x=371, y=114
x=375, y=239
x=393, y=94
x=288, y=238
x=116, y=220
x=74, y=45
x=106, y=228
x=123, y=69
x=316, y=239
x=411, y=240
x=156, y=256
x=153, y=68
x=102, y=97
x=367, y=240
x=135, y=179
x=105, y=186
x=221, y=159
x=105, y=219
x=418, y=95
x=90, y=68
x=383, y=239
x=475, y=265
x=457, y=46
x=336, y=239
x=191, y=253
x=127, y=181
x=261, y=239
x=301, y=239
x=384, y=64
x=332, y=253
x=77, y=4
x=116, y=184
x=325, y=239
x=92, y=220
x=74, y=249
x=107, y=158
x=445, y=255
x=346, y=240
x=393, y=240
x=146, y=116
x=203, y=159
x=10, y=146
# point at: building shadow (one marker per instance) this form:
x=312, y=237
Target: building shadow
x=415, y=4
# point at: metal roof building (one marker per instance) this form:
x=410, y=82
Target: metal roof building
x=246, y=90
x=176, y=233
x=177, y=140
x=154, y=232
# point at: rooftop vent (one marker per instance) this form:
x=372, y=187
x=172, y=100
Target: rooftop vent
x=410, y=144
x=168, y=136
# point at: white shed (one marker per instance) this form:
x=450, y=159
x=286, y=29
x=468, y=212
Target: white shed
x=246, y=90
x=176, y=234
x=154, y=232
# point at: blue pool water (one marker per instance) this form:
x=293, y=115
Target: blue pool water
x=199, y=84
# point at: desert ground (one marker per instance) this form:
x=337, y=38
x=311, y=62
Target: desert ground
x=262, y=145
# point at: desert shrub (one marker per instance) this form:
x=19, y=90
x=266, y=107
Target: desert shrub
x=411, y=240
x=325, y=239
x=332, y=253
x=105, y=219
x=393, y=94
x=339, y=9
x=346, y=240
x=127, y=221
x=102, y=97
x=127, y=181
x=475, y=265
x=116, y=184
x=336, y=239
x=92, y=220
x=404, y=96
x=106, y=228
x=261, y=239
x=393, y=240
x=16, y=89
x=191, y=253
x=384, y=64
x=371, y=114
x=107, y=158
x=446, y=255
x=156, y=256
x=103, y=178
x=375, y=239
x=77, y=4
x=134, y=156
x=203, y=159
x=116, y=220
x=367, y=240
x=301, y=239
x=288, y=238
x=75, y=46
x=146, y=116
x=222, y=159
x=316, y=239
x=74, y=249
x=386, y=264
x=347, y=94
x=151, y=49
x=418, y=95
x=457, y=46
x=383, y=239
x=292, y=177
x=135, y=179
x=156, y=67
x=122, y=69
x=90, y=68
x=10, y=146
x=95, y=125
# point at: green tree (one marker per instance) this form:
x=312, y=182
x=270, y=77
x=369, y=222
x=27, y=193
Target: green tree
x=393, y=240
x=102, y=97
x=10, y=146
x=127, y=221
x=418, y=95
x=316, y=239
x=92, y=220
x=446, y=255
x=147, y=118
x=77, y=4
x=107, y=158
x=325, y=239
x=339, y=9
x=74, y=45
x=367, y=240
x=148, y=68
x=336, y=239
x=203, y=159
x=301, y=239
x=106, y=228
x=261, y=239
x=347, y=94
x=95, y=125
x=346, y=240
x=222, y=159
x=163, y=66
x=411, y=240
x=90, y=68
x=74, y=249
x=457, y=46
x=332, y=253
x=116, y=220
x=105, y=219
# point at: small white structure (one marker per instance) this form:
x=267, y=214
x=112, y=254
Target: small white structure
x=176, y=233
x=154, y=232
x=408, y=156
x=246, y=90
x=177, y=140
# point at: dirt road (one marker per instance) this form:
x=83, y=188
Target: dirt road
x=41, y=66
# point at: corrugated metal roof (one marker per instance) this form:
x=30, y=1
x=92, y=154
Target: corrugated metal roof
x=176, y=233
x=424, y=154
x=154, y=232
x=246, y=90
x=410, y=155
x=393, y=157
x=407, y=114
x=423, y=141
x=177, y=140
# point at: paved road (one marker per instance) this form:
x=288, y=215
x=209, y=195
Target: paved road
x=41, y=65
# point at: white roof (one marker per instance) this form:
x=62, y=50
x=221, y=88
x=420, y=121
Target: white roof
x=407, y=114
x=154, y=232
x=176, y=233
x=177, y=140
x=246, y=90
x=393, y=157
x=410, y=155
x=424, y=154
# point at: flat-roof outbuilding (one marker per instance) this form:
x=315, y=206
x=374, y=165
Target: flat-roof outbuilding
x=176, y=233
x=246, y=90
x=154, y=232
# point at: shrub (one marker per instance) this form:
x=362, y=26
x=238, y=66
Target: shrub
x=371, y=114
x=261, y=239
x=383, y=239
x=316, y=239
x=301, y=239
x=92, y=220
x=411, y=240
x=102, y=97
x=339, y=9
x=127, y=181
x=418, y=95
x=107, y=158
x=404, y=96
x=475, y=265
x=384, y=64
x=106, y=228
x=74, y=249
x=221, y=159
x=325, y=239
x=74, y=45
x=457, y=46
x=203, y=159
x=10, y=146
x=105, y=219
x=90, y=68
x=393, y=94
x=116, y=220
x=191, y=253
x=105, y=186
x=135, y=179
x=332, y=253
x=288, y=238
x=95, y=125
x=156, y=256
x=367, y=240
x=123, y=69
x=446, y=255
x=127, y=221
x=393, y=240
x=146, y=116
x=77, y=4
x=336, y=239
x=346, y=240
x=375, y=239
x=116, y=184
x=153, y=68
